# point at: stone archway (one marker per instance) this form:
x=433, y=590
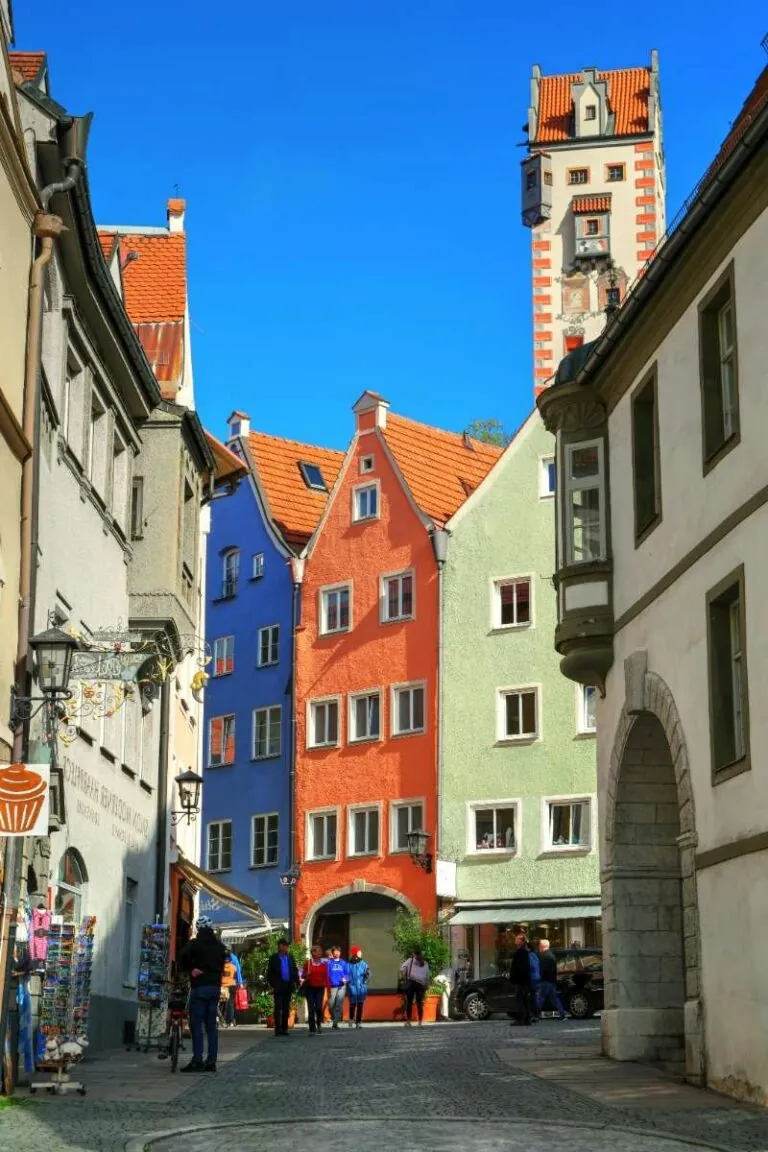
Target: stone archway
x=356, y=888
x=650, y=912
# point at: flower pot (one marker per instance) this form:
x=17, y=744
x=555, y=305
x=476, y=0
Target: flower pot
x=270, y=1021
x=291, y=1017
x=431, y=1002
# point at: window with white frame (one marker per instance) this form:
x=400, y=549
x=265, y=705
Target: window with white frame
x=366, y=464
x=519, y=713
x=321, y=835
x=323, y=724
x=547, y=476
x=266, y=732
x=223, y=655
x=493, y=827
x=397, y=598
x=407, y=709
x=221, y=741
x=587, y=708
x=585, y=502
x=366, y=502
x=364, y=831
x=219, y=846
x=568, y=824
x=230, y=572
x=264, y=840
x=365, y=716
x=512, y=603
x=257, y=566
x=269, y=645
x=406, y=817
x=334, y=609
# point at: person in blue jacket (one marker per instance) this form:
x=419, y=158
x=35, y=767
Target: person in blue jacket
x=357, y=985
x=338, y=971
x=535, y=985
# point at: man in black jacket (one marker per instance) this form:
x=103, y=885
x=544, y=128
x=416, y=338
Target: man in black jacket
x=283, y=979
x=548, y=985
x=520, y=975
x=204, y=958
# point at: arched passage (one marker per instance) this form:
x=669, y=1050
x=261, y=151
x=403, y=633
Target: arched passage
x=651, y=946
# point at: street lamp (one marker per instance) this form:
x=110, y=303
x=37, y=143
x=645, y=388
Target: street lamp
x=291, y=878
x=53, y=650
x=417, y=846
x=189, y=785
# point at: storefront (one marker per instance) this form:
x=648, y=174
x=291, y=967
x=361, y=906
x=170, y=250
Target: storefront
x=189, y=882
x=482, y=937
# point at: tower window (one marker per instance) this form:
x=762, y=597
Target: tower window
x=578, y=175
x=590, y=112
x=614, y=173
x=592, y=227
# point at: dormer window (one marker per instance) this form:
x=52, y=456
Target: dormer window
x=312, y=476
x=590, y=112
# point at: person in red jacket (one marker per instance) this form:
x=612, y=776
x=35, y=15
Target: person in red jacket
x=316, y=979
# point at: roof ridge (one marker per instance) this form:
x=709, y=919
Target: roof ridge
x=600, y=72
x=444, y=431
x=136, y=230
x=297, y=443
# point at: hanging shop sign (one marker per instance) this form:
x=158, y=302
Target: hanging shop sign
x=24, y=799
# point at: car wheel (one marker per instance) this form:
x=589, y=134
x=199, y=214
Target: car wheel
x=475, y=1007
x=580, y=1005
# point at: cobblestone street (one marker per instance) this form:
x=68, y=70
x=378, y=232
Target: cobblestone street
x=475, y=1086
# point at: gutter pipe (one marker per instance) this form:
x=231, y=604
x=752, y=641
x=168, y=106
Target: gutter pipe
x=162, y=799
x=440, y=548
x=297, y=573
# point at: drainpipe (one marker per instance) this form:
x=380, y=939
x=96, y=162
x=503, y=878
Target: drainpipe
x=162, y=797
x=297, y=572
x=440, y=548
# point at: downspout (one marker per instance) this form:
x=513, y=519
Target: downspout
x=162, y=797
x=297, y=573
x=440, y=547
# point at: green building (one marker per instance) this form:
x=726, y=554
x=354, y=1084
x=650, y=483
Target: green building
x=518, y=777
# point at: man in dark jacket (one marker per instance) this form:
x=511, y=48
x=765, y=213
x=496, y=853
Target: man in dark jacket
x=204, y=957
x=283, y=979
x=548, y=986
x=520, y=975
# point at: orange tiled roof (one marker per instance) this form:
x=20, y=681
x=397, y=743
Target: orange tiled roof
x=628, y=91
x=155, y=283
x=28, y=64
x=440, y=468
x=581, y=204
x=295, y=508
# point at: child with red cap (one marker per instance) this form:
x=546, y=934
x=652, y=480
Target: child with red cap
x=357, y=988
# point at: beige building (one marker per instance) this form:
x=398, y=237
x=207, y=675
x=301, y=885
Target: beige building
x=662, y=490
x=593, y=188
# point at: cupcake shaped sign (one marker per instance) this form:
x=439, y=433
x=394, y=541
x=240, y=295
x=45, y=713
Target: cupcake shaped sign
x=24, y=800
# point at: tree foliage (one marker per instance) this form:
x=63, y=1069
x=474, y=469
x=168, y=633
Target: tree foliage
x=410, y=931
x=489, y=431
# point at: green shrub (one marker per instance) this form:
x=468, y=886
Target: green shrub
x=410, y=931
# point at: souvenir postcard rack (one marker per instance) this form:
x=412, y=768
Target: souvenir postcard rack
x=65, y=1004
x=153, y=986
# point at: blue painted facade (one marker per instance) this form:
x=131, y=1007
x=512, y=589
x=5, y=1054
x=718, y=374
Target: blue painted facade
x=237, y=792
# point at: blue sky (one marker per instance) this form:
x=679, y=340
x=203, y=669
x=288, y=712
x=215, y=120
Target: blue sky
x=351, y=171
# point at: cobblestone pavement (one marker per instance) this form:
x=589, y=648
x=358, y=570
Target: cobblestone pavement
x=404, y=1086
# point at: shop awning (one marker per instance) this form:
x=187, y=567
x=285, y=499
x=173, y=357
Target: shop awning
x=247, y=930
x=244, y=905
x=538, y=914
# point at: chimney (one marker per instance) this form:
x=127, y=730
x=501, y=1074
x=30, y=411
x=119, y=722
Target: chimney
x=239, y=424
x=176, y=210
x=370, y=412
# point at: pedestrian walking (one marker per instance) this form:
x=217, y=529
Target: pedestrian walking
x=203, y=958
x=338, y=974
x=417, y=977
x=359, y=975
x=548, y=985
x=520, y=975
x=228, y=984
x=316, y=981
x=283, y=979
x=533, y=960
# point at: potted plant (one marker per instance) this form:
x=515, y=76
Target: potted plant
x=411, y=931
x=262, y=1005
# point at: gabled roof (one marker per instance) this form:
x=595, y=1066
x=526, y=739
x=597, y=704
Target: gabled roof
x=228, y=466
x=441, y=468
x=31, y=66
x=295, y=508
x=628, y=92
x=155, y=279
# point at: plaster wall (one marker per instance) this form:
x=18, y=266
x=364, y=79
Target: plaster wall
x=507, y=529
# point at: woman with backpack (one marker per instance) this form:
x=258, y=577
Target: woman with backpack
x=417, y=978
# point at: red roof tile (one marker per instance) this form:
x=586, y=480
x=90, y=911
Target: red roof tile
x=30, y=65
x=628, y=91
x=440, y=468
x=582, y=204
x=164, y=348
x=295, y=508
x=154, y=282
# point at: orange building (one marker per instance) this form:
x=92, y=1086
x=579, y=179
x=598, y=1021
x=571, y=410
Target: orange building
x=367, y=681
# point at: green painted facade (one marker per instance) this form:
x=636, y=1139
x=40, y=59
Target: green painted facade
x=506, y=529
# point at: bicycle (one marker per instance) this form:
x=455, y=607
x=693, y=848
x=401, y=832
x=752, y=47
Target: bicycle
x=177, y=1010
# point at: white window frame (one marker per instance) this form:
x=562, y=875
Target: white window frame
x=550, y=849
x=582, y=485
x=222, y=716
x=544, y=464
x=496, y=586
x=309, y=841
x=475, y=805
x=393, y=709
x=219, y=824
x=267, y=663
x=268, y=708
x=311, y=705
x=361, y=488
x=501, y=697
x=266, y=816
x=352, y=698
x=355, y=809
x=367, y=464
x=384, y=581
x=222, y=640
x=257, y=565
x=394, y=807
x=326, y=590
x=582, y=727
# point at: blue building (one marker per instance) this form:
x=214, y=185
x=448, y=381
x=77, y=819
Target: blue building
x=252, y=604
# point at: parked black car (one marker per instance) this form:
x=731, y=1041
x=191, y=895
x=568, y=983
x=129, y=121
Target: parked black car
x=579, y=983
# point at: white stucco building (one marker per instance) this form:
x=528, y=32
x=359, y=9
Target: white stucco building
x=662, y=547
